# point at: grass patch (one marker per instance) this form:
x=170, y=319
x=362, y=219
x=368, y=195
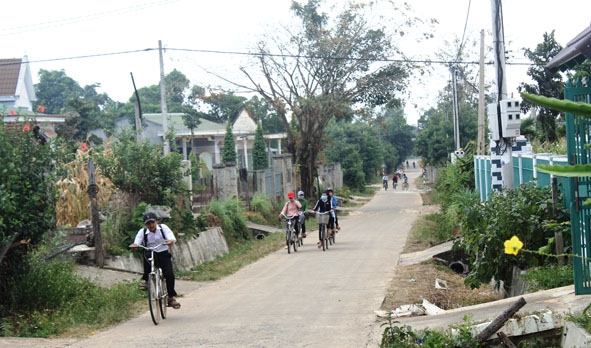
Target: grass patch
x=242, y=253
x=52, y=301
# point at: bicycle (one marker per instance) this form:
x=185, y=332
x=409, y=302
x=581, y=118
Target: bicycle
x=322, y=221
x=386, y=185
x=405, y=186
x=394, y=185
x=291, y=238
x=157, y=292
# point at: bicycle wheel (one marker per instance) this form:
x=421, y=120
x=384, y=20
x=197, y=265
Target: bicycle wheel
x=331, y=237
x=163, y=298
x=324, y=241
x=294, y=240
x=288, y=241
x=153, y=299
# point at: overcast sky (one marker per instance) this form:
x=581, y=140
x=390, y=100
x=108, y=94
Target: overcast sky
x=54, y=33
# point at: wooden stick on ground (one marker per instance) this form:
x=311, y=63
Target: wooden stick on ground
x=506, y=340
x=500, y=320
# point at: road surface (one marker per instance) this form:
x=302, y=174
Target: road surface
x=311, y=298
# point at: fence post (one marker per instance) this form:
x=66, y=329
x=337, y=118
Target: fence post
x=520, y=163
x=534, y=161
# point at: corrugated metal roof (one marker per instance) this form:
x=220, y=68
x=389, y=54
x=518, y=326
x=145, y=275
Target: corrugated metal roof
x=9, y=71
x=176, y=121
x=576, y=52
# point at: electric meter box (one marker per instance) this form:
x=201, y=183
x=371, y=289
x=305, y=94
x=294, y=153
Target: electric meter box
x=510, y=118
x=493, y=123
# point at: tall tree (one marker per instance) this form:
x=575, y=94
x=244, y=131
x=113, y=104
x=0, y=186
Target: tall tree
x=229, y=150
x=260, y=159
x=54, y=90
x=321, y=70
x=546, y=83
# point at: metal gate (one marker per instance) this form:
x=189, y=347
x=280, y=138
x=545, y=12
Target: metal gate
x=578, y=135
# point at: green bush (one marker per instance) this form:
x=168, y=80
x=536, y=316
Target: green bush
x=233, y=220
x=548, y=277
x=142, y=171
x=395, y=336
x=525, y=212
x=27, y=200
x=260, y=203
x=50, y=298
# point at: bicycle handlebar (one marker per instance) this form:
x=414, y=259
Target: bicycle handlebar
x=150, y=248
x=289, y=217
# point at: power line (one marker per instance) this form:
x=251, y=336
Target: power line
x=384, y=60
x=65, y=21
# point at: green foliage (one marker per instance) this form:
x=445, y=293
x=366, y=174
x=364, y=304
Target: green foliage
x=548, y=277
x=229, y=150
x=456, y=178
x=27, y=199
x=546, y=82
x=526, y=212
x=142, y=171
x=233, y=220
x=260, y=159
x=48, y=299
x=404, y=337
x=260, y=203
x=583, y=319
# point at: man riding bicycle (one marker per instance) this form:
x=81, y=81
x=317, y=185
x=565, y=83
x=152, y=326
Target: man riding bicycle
x=152, y=235
x=385, y=181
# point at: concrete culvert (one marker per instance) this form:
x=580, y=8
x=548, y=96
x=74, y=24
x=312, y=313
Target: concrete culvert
x=458, y=267
x=260, y=236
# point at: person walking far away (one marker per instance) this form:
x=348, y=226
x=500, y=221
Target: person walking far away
x=304, y=202
x=151, y=235
x=323, y=205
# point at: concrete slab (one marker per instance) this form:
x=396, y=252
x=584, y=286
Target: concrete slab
x=424, y=255
x=560, y=301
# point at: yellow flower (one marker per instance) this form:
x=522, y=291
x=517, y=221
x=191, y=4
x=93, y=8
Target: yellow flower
x=513, y=245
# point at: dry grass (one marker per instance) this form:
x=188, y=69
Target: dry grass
x=413, y=283
x=73, y=204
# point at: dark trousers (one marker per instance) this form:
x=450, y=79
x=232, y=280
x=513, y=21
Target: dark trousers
x=162, y=260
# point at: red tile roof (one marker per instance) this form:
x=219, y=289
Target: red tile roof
x=9, y=70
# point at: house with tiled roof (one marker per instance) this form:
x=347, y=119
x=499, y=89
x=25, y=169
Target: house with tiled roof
x=16, y=85
x=207, y=140
x=17, y=94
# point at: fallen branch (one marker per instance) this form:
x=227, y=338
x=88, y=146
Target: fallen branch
x=506, y=341
x=500, y=320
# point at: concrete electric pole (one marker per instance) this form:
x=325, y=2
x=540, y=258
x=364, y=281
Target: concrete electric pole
x=165, y=149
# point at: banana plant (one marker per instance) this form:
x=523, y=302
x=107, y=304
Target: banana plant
x=575, y=108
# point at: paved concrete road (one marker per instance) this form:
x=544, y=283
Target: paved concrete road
x=306, y=299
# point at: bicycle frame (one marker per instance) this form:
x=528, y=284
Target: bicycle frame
x=161, y=294
x=290, y=235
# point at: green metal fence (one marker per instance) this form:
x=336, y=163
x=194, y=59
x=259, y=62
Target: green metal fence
x=578, y=135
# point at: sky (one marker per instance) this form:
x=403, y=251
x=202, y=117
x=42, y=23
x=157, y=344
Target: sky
x=104, y=41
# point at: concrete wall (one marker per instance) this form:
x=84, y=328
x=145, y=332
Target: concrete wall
x=331, y=175
x=225, y=180
x=185, y=254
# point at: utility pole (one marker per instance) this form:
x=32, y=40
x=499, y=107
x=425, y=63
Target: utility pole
x=454, y=79
x=480, y=143
x=165, y=149
x=503, y=115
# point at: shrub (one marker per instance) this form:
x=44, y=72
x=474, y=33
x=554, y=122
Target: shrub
x=526, y=212
x=548, y=277
x=27, y=199
x=260, y=203
x=233, y=221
